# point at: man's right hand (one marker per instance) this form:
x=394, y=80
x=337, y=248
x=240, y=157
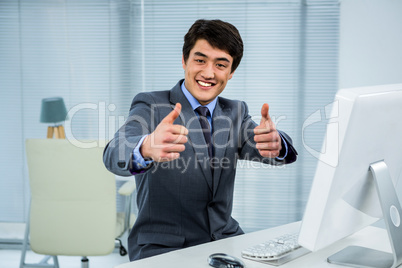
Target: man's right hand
x=167, y=141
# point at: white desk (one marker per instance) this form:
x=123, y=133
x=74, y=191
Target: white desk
x=371, y=237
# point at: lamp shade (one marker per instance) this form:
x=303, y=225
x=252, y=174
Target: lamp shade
x=53, y=110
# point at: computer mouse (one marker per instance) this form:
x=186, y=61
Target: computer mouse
x=222, y=260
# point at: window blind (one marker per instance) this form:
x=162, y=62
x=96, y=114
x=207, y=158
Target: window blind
x=78, y=50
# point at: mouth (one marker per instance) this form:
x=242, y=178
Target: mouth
x=205, y=84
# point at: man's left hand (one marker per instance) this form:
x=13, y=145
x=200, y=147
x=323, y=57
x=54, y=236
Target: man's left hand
x=266, y=136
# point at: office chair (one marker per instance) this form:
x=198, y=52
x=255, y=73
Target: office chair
x=73, y=203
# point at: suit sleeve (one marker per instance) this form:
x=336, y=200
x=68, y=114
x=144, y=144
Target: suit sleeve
x=118, y=153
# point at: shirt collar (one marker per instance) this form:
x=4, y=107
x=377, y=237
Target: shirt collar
x=195, y=103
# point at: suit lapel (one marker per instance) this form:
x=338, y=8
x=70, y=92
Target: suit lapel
x=195, y=136
x=222, y=124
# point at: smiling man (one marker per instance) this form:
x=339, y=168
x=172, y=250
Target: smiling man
x=183, y=145
x=207, y=71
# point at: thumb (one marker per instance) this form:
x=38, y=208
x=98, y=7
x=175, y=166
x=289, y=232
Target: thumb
x=265, y=113
x=173, y=114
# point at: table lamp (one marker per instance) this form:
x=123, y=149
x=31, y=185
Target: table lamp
x=54, y=111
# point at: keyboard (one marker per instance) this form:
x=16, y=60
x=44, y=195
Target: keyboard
x=276, y=251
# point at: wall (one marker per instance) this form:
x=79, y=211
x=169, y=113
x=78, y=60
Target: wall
x=370, y=51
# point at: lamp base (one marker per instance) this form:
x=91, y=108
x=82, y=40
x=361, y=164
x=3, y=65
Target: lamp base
x=57, y=131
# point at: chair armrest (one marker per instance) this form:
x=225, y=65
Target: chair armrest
x=127, y=188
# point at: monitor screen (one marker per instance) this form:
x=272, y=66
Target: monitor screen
x=365, y=127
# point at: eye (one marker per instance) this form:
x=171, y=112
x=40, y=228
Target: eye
x=199, y=61
x=219, y=65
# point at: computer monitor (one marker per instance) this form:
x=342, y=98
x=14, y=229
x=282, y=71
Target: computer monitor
x=361, y=155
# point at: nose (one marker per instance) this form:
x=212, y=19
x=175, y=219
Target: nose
x=208, y=72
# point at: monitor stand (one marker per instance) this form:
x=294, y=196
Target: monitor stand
x=355, y=256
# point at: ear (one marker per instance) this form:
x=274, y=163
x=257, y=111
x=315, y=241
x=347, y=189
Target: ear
x=183, y=63
x=231, y=75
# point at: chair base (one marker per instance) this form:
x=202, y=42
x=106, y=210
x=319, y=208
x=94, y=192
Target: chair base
x=84, y=262
x=43, y=263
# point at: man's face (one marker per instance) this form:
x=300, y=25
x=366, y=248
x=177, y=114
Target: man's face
x=207, y=71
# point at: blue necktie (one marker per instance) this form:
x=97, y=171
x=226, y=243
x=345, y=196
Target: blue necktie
x=206, y=128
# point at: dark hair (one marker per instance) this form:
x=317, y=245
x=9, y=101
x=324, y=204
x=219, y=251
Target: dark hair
x=218, y=34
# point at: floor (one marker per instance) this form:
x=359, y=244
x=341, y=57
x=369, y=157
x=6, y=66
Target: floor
x=10, y=252
x=11, y=259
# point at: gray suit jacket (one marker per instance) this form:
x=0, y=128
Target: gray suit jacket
x=184, y=202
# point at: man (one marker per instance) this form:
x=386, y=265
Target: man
x=184, y=157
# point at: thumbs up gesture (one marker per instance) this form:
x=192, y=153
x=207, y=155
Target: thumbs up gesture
x=268, y=141
x=168, y=139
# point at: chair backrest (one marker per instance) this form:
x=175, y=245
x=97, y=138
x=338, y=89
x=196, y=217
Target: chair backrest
x=73, y=199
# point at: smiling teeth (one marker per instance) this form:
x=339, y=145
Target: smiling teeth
x=204, y=84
